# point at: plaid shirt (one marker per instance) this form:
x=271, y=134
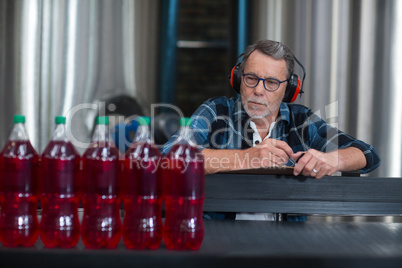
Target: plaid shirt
x=222, y=123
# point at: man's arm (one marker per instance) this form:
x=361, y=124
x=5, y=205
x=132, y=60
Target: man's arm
x=345, y=153
x=269, y=153
x=276, y=153
x=326, y=164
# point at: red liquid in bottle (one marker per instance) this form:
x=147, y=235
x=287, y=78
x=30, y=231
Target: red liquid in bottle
x=142, y=227
x=101, y=225
x=60, y=225
x=184, y=198
x=18, y=194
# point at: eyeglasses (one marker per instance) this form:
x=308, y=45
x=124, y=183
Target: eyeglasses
x=270, y=84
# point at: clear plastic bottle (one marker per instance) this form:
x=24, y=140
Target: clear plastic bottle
x=60, y=168
x=101, y=224
x=142, y=227
x=184, y=186
x=19, y=167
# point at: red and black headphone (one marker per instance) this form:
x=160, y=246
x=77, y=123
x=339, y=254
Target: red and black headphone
x=293, y=88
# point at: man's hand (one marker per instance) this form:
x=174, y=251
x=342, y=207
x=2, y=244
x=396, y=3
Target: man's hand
x=271, y=152
x=318, y=164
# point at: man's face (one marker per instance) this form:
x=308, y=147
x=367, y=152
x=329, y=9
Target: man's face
x=259, y=102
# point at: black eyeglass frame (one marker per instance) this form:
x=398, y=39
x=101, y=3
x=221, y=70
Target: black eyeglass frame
x=263, y=82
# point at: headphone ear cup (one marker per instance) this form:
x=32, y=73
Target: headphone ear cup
x=292, y=89
x=235, y=78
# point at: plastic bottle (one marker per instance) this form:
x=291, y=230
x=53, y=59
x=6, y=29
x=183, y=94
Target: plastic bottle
x=19, y=163
x=184, y=184
x=60, y=166
x=101, y=224
x=142, y=227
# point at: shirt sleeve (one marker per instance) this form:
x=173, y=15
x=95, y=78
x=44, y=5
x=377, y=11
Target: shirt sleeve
x=326, y=138
x=201, y=121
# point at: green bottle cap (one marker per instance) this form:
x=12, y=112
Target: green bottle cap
x=144, y=120
x=185, y=121
x=60, y=120
x=19, y=118
x=102, y=120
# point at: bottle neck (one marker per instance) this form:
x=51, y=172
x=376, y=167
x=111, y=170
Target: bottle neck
x=59, y=133
x=19, y=133
x=101, y=133
x=142, y=134
x=186, y=136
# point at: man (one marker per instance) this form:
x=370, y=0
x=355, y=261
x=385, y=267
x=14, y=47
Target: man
x=257, y=129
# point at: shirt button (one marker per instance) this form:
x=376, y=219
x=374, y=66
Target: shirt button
x=257, y=142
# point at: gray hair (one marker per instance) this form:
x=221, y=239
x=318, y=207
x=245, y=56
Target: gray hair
x=274, y=49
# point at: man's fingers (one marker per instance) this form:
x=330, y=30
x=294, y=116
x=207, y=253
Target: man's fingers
x=321, y=173
x=300, y=166
x=310, y=167
x=282, y=155
x=285, y=147
x=313, y=164
x=272, y=160
x=296, y=156
x=280, y=145
x=274, y=156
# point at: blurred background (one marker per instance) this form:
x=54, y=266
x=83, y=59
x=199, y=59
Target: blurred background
x=82, y=58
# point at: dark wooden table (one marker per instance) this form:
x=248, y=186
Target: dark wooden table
x=306, y=195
